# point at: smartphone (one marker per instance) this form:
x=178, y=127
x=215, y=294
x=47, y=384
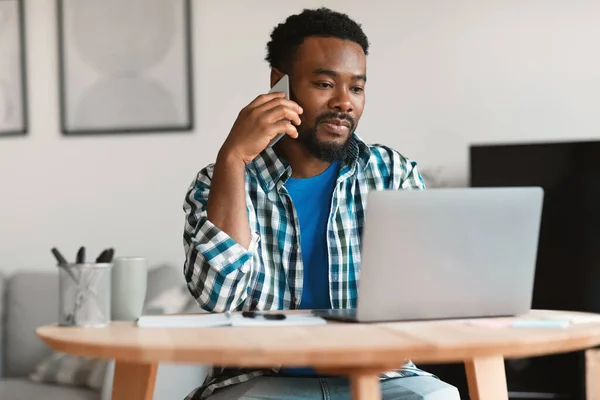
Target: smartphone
x=283, y=85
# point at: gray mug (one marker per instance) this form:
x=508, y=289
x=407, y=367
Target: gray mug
x=128, y=288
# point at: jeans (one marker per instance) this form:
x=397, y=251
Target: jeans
x=305, y=388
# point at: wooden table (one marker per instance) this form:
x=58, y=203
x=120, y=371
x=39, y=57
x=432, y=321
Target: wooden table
x=359, y=351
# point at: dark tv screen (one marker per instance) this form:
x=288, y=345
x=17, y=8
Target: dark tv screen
x=568, y=263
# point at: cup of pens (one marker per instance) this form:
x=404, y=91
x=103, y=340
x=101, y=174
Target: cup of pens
x=84, y=290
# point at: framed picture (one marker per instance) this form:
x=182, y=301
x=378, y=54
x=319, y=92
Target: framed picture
x=125, y=66
x=13, y=90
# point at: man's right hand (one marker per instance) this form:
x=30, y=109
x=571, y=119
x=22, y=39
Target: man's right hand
x=258, y=123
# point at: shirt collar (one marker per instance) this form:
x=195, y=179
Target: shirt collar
x=271, y=169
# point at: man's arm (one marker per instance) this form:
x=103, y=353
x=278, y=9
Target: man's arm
x=411, y=177
x=400, y=173
x=217, y=239
x=259, y=122
x=227, y=200
x=217, y=268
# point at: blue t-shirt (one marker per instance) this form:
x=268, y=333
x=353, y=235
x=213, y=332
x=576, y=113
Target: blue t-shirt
x=312, y=201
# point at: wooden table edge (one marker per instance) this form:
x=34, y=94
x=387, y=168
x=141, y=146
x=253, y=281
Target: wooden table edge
x=484, y=364
x=426, y=355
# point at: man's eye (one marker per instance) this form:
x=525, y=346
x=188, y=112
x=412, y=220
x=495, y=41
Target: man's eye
x=323, y=85
x=358, y=89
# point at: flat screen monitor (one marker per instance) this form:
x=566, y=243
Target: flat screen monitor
x=568, y=264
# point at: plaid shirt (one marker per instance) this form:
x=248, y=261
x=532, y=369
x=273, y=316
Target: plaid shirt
x=222, y=275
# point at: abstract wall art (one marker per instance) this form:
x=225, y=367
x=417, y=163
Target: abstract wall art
x=13, y=92
x=125, y=66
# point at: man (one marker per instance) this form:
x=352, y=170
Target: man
x=280, y=228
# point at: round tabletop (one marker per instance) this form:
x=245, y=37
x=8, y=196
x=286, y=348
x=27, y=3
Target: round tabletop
x=330, y=346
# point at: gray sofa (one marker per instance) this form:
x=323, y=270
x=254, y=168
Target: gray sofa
x=29, y=300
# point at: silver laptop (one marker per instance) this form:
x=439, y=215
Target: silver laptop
x=447, y=253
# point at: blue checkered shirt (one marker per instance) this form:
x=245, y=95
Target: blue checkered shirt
x=224, y=276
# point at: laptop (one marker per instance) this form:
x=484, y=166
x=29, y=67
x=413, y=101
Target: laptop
x=447, y=254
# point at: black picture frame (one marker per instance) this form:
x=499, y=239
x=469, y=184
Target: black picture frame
x=23, y=129
x=187, y=126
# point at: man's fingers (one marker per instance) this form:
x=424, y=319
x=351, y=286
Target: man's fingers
x=276, y=102
x=264, y=98
x=287, y=128
x=281, y=112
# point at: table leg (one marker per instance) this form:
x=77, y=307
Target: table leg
x=365, y=386
x=134, y=381
x=486, y=378
x=592, y=374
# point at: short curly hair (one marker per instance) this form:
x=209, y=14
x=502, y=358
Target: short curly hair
x=322, y=22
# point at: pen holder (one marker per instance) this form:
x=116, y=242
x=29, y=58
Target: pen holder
x=84, y=294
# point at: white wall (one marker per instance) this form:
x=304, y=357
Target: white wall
x=442, y=74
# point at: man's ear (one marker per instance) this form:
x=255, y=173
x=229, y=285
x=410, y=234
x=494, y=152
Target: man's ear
x=276, y=75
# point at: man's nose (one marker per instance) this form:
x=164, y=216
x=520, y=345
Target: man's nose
x=341, y=101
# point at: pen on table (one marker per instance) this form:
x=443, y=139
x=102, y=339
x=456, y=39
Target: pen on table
x=253, y=314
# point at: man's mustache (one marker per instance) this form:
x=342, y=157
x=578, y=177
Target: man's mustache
x=336, y=115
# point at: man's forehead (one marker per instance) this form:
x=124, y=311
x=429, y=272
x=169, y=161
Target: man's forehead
x=322, y=53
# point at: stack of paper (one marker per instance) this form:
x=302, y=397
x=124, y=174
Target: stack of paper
x=223, y=319
x=182, y=320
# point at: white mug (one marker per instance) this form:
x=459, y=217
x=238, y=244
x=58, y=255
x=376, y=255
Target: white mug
x=129, y=284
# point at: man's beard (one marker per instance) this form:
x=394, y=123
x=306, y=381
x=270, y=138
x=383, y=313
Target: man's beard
x=326, y=150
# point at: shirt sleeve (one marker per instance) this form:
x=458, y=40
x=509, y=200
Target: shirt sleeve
x=398, y=172
x=217, y=269
x=407, y=170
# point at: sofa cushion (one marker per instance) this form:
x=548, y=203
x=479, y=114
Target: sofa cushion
x=172, y=301
x=35, y=295
x=67, y=369
x=166, y=293
x=163, y=278
x=31, y=301
x=22, y=389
